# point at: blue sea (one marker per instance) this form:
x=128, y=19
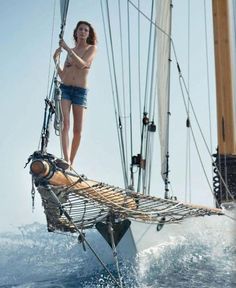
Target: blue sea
x=31, y=257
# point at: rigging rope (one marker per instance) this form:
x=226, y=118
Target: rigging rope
x=111, y=232
x=145, y=148
x=69, y=218
x=120, y=125
x=146, y=145
x=110, y=73
x=196, y=146
x=130, y=97
x=148, y=60
x=144, y=132
x=149, y=19
x=53, y=98
x=51, y=43
x=181, y=77
x=149, y=138
x=208, y=79
x=123, y=86
x=188, y=188
x=139, y=68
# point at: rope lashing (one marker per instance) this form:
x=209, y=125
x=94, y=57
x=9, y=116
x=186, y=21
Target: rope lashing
x=58, y=119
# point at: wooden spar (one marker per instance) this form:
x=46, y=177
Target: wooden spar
x=225, y=180
x=42, y=169
x=39, y=168
x=224, y=88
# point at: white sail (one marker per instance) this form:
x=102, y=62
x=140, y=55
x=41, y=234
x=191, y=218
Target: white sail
x=163, y=49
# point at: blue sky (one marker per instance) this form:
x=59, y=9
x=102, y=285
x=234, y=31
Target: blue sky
x=27, y=42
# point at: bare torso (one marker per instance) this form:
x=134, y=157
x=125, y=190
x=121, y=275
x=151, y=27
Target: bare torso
x=72, y=74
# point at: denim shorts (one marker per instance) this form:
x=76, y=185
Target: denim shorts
x=77, y=95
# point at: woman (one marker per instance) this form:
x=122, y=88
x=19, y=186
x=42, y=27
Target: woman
x=74, y=83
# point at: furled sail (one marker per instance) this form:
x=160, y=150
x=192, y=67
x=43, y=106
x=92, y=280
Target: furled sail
x=163, y=21
x=64, y=4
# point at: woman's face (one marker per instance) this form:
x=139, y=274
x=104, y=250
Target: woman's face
x=82, y=31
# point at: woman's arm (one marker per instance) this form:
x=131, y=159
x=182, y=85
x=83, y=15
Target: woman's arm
x=56, y=58
x=87, y=59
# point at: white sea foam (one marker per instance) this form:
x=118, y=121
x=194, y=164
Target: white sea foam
x=33, y=257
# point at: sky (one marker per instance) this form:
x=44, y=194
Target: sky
x=29, y=35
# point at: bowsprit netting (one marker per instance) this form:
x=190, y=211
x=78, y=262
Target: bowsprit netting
x=91, y=202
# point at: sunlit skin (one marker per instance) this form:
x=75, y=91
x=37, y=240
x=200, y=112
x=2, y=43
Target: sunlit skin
x=74, y=73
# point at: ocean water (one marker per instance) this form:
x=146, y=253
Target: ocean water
x=31, y=257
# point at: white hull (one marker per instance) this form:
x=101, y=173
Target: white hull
x=145, y=236
x=142, y=236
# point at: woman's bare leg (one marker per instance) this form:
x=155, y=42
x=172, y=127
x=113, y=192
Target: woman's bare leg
x=66, y=106
x=78, y=113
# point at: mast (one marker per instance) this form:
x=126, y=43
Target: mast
x=224, y=45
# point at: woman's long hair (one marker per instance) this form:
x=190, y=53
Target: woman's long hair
x=92, y=38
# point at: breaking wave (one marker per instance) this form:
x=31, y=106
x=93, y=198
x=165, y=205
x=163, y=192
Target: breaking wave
x=32, y=257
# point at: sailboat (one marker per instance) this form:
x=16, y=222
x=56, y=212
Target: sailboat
x=131, y=218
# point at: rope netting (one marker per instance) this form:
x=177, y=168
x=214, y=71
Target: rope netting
x=92, y=203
